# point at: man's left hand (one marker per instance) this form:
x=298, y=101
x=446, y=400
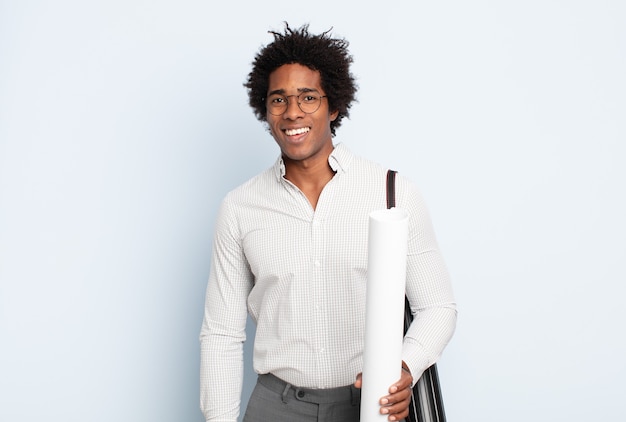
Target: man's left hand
x=396, y=404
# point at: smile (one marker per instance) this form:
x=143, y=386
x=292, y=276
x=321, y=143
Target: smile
x=299, y=131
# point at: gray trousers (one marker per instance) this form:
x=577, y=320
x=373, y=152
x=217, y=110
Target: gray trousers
x=277, y=401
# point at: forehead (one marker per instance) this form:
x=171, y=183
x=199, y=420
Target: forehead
x=294, y=77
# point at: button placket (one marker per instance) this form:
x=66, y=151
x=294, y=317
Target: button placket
x=318, y=251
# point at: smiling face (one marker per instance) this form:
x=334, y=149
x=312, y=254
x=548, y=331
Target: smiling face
x=303, y=138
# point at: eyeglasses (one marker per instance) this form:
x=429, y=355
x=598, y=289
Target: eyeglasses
x=308, y=101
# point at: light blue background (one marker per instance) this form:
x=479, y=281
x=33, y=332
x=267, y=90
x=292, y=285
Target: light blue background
x=123, y=124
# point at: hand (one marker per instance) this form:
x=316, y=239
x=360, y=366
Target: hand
x=396, y=404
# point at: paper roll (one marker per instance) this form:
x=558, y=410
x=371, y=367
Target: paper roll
x=384, y=313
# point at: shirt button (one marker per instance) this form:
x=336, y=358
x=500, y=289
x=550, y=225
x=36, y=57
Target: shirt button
x=317, y=263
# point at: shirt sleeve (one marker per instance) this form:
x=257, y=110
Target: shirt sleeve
x=223, y=326
x=428, y=287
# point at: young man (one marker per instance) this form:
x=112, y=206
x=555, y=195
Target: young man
x=290, y=248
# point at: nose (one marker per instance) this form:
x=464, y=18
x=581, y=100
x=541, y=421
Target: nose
x=293, y=108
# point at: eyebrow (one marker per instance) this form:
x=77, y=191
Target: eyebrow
x=282, y=91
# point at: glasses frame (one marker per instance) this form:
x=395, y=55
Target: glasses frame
x=298, y=101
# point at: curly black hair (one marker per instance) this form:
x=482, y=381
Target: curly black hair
x=329, y=56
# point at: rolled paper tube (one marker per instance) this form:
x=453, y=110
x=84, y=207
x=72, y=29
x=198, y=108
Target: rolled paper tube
x=384, y=308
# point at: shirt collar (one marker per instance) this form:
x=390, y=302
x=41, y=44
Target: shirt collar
x=339, y=160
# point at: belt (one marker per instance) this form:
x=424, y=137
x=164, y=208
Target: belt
x=311, y=395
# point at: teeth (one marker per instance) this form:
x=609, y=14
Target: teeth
x=300, y=131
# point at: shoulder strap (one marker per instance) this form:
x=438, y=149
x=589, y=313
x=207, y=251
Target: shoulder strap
x=391, y=188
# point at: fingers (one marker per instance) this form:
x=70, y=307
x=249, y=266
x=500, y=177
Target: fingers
x=396, y=405
x=359, y=381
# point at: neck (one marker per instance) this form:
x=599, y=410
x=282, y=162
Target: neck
x=310, y=178
x=299, y=172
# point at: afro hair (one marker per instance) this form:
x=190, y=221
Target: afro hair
x=329, y=56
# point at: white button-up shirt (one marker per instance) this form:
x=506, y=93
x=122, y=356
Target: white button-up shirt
x=301, y=274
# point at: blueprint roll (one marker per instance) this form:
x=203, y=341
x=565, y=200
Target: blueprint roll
x=384, y=308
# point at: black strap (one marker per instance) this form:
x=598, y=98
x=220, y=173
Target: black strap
x=391, y=188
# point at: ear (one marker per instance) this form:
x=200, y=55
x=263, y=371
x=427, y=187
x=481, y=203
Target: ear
x=334, y=115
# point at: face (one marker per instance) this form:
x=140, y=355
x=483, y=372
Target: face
x=301, y=137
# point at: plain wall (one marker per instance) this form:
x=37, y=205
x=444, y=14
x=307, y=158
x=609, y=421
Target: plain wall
x=124, y=123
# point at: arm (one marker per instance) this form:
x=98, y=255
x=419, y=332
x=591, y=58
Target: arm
x=223, y=327
x=428, y=288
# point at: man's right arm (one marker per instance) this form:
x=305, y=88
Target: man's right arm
x=223, y=327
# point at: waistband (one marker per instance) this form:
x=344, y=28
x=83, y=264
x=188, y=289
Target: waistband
x=311, y=395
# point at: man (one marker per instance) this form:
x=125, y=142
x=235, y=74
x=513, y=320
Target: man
x=290, y=248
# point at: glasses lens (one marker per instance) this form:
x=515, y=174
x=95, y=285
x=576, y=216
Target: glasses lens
x=276, y=104
x=309, y=102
